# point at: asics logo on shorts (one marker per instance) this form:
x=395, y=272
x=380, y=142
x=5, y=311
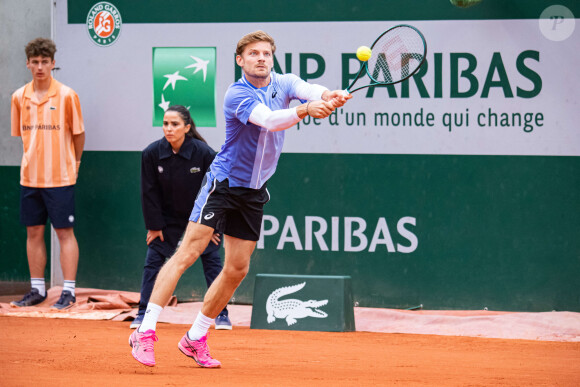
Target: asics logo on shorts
x=209, y=216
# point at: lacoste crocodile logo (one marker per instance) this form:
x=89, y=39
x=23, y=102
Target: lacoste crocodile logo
x=292, y=309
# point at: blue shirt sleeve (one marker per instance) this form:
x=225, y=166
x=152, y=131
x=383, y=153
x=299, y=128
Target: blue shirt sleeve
x=240, y=102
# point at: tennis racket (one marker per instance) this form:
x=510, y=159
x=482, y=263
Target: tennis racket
x=397, y=54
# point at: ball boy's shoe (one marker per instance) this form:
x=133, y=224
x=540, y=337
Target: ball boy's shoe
x=65, y=301
x=31, y=298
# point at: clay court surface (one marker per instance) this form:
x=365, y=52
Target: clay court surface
x=67, y=352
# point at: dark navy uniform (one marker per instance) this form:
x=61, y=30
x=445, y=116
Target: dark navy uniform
x=169, y=185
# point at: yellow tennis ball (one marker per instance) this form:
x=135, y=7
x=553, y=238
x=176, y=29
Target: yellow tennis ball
x=363, y=53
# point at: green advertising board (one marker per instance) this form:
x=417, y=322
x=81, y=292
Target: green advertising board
x=303, y=303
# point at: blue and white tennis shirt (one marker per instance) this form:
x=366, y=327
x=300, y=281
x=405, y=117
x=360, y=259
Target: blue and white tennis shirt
x=249, y=156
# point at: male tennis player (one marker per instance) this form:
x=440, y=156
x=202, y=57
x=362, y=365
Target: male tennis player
x=257, y=112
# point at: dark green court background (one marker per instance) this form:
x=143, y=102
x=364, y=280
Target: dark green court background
x=245, y=11
x=500, y=232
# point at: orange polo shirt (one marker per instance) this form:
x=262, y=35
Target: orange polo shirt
x=47, y=128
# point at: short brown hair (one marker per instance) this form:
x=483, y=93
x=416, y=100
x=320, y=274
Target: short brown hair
x=253, y=37
x=40, y=47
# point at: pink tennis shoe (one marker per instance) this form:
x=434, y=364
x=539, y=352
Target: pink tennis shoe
x=142, y=344
x=198, y=350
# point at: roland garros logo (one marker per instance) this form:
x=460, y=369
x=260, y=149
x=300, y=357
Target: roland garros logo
x=104, y=24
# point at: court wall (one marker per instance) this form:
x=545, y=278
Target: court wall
x=455, y=190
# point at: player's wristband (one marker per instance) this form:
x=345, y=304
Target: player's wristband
x=307, y=113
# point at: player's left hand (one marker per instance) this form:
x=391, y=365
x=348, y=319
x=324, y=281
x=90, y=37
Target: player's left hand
x=320, y=108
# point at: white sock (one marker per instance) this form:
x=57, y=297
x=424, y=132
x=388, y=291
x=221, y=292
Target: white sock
x=38, y=283
x=200, y=327
x=70, y=286
x=151, y=316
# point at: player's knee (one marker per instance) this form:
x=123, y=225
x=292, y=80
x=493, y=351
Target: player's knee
x=235, y=273
x=184, y=258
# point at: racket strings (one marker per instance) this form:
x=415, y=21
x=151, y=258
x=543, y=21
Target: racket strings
x=396, y=54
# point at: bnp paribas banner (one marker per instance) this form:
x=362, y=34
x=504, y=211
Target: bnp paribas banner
x=453, y=189
x=498, y=87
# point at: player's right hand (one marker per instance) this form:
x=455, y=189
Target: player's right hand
x=337, y=97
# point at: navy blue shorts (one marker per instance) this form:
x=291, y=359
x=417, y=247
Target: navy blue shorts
x=37, y=205
x=236, y=211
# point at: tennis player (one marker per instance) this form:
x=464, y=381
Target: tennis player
x=257, y=113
